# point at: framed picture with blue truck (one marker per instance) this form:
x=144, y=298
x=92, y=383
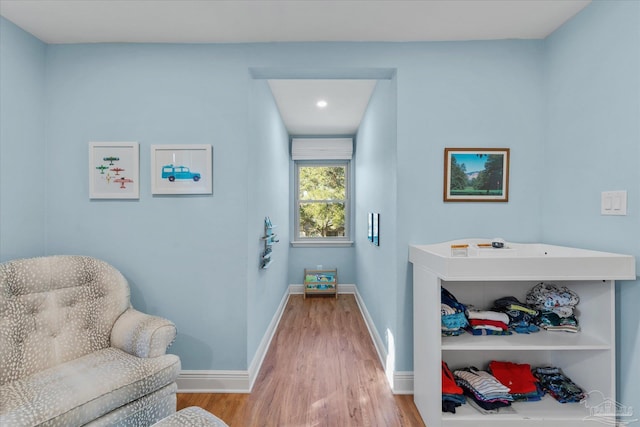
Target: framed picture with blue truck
x=181, y=169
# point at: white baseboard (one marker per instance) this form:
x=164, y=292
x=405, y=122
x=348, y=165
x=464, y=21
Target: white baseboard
x=192, y=381
x=261, y=352
x=213, y=382
x=402, y=382
x=375, y=336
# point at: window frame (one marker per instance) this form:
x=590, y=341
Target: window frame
x=322, y=241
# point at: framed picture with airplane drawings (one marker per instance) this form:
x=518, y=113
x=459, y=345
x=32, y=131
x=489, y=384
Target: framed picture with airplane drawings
x=181, y=169
x=114, y=170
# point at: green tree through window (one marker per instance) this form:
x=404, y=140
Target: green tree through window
x=322, y=200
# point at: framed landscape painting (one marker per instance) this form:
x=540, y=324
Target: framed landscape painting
x=476, y=174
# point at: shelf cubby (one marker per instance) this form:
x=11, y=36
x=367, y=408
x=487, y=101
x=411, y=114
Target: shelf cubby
x=481, y=277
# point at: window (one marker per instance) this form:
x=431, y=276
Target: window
x=322, y=201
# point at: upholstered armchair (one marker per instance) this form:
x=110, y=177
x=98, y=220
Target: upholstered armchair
x=73, y=351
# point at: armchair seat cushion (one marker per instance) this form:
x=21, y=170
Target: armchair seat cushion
x=193, y=416
x=77, y=391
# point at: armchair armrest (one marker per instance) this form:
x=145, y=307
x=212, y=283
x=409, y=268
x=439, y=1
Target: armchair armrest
x=141, y=334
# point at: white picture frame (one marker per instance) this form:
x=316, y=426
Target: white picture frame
x=114, y=170
x=181, y=169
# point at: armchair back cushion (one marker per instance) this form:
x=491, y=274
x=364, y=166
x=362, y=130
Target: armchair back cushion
x=50, y=315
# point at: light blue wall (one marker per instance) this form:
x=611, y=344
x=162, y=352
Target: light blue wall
x=194, y=259
x=475, y=94
x=23, y=145
x=593, y=145
x=196, y=254
x=342, y=258
x=376, y=189
x=268, y=196
x=186, y=257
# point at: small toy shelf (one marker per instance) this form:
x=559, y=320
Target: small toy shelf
x=269, y=238
x=320, y=282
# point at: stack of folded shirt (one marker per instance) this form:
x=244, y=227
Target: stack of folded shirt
x=485, y=391
x=558, y=385
x=518, y=377
x=521, y=316
x=486, y=322
x=452, y=314
x=452, y=394
x=556, y=305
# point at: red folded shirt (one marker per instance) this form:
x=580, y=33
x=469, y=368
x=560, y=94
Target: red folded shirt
x=483, y=322
x=449, y=385
x=517, y=377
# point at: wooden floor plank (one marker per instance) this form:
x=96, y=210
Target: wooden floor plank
x=321, y=369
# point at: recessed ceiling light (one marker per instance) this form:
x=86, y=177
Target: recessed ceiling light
x=321, y=104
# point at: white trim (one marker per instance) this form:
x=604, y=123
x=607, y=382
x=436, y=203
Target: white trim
x=261, y=352
x=321, y=244
x=301, y=241
x=402, y=382
x=375, y=336
x=192, y=381
x=232, y=381
x=213, y=382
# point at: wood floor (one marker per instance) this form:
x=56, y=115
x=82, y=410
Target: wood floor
x=320, y=370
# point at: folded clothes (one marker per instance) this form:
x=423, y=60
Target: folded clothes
x=491, y=408
x=452, y=394
x=453, y=321
x=449, y=385
x=482, y=384
x=449, y=406
x=535, y=396
x=522, y=318
x=566, y=328
x=481, y=331
x=452, y=313
x=446, y=310
x=483, y=389
x=524, y=328
x=558, y=385
x=562, y=311
x=458, y=399
x=488, y=324
x=452, y=332
x=516, y=376
x=550, y=321
x=487, y=328
x=447, y=298
x=509, y=303
x=547, y=295
x=487, y=315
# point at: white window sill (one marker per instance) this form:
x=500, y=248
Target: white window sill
x=321, y=244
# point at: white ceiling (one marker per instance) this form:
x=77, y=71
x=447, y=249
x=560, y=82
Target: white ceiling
x=232, y=21
x=346, y=102
x=240, y=21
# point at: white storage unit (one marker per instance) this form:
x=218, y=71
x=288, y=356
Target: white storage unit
x=485, y=274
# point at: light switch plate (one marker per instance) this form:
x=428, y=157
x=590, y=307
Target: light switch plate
x=613, y=202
